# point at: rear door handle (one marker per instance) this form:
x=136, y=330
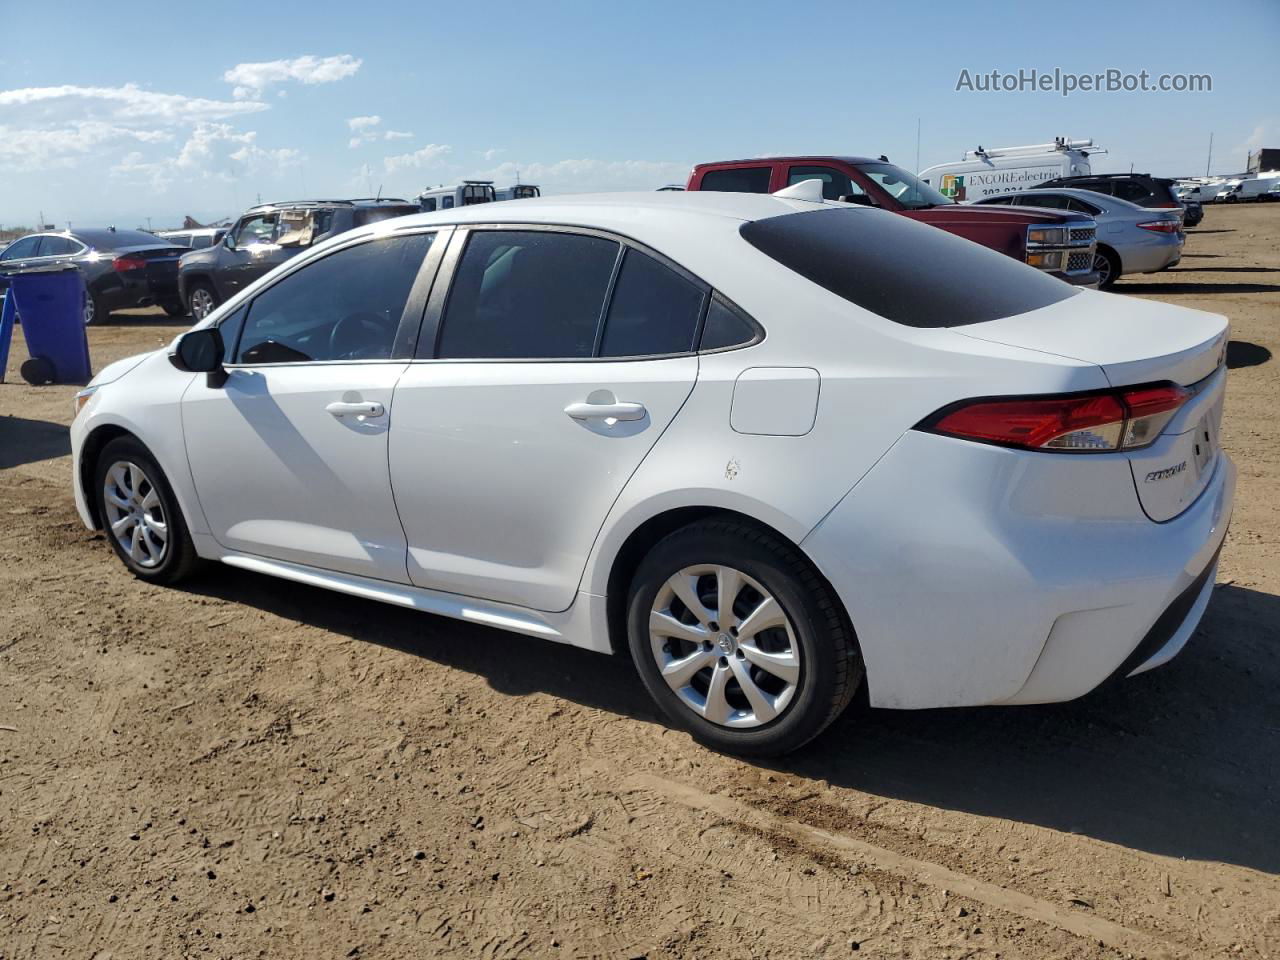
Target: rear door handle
x=365, y=408
x=621, y=410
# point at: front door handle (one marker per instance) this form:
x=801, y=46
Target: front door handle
x=621, y=410
x=365, y=408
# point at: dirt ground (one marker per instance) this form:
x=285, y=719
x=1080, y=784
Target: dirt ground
x=245, y=767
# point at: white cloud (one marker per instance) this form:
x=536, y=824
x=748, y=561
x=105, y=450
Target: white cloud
x=397, y=135
x=363, y=124
x=424, y=157
x=1262, y=133
x=213, y=151
x=126, y=103
x=491, y=153
x=251, y=80
x=30, y=149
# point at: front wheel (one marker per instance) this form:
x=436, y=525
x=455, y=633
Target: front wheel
x=140, y=514
x=739, y=640
x=94, y=311
x=201, y=300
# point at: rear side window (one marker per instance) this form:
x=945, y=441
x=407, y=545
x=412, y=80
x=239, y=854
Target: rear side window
x=907, y=272
x=741, y=180
x=367, y=215
x=726, y=327
x=1133, y=192
x=527, y=294
x=345, y=306
x=654, y=310
x=446, y=203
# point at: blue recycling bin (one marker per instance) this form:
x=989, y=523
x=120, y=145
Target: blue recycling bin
x=49, y=301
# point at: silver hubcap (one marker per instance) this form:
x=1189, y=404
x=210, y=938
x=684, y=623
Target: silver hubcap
x=201, y=303
x=1103, y=267
x=135, y=515
x=725, y=646
x=88, y=311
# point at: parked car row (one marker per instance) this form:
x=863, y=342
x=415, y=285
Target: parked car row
x=773, y=447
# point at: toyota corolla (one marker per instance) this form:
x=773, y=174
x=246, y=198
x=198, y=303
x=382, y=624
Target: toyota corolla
x=770, y=447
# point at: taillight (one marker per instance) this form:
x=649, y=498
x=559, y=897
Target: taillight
x=128, y=262
x=1078, y=423
x=1160, y=226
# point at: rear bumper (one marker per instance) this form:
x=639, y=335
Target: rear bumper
x=1012, y=577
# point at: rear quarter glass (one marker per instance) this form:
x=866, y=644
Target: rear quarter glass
x=907, y=272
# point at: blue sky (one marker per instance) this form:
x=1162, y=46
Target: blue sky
x=116, y=115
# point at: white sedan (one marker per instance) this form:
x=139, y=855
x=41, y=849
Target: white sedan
x=772, y=447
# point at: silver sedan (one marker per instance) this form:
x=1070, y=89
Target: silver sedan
x=1131, y=239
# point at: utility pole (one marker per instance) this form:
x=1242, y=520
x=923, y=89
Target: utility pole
x=1210, y=160
x=148, y=224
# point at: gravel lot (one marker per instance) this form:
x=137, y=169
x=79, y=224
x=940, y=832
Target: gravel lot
x=250, y=768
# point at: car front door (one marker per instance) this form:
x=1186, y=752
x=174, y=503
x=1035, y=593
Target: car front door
x=289, y=454
x=546, y=377
x=247, y=253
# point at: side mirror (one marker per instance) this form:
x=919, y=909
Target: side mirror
x=229, y=239
x=198, y=351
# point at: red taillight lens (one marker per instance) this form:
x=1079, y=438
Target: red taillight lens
x=122, y=264
x=1083, y=423
x=1160, y=226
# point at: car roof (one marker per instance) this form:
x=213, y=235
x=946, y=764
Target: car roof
x=1085, y=196
x=805, y=157
x=307, y=204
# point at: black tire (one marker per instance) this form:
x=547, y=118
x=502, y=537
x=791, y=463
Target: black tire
x=95, y=310
x=1111, y=273
x=175, y=308
x=196, y=293
x=37, y=371
x=178, y=558
x=831, y=668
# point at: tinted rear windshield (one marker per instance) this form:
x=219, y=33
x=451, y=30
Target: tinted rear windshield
x=907, y=272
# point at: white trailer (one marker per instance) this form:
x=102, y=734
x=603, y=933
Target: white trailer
x=984, y=172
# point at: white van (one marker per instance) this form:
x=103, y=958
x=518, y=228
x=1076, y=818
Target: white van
x=1250, y=188
x=519, y=191
x=462, y=195
x=984, y=173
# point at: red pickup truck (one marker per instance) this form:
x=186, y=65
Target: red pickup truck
x=1055, y=241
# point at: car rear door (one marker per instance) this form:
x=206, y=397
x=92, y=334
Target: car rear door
x=289, y=454
x=546, y=373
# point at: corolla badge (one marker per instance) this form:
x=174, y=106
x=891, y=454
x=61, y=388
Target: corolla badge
x=1166, y=473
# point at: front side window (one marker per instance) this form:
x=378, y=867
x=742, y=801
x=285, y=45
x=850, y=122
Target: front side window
x=654, y=310
x=345, y=306
x=737, y=180
x=429, y=205
x=259, y=229
x=835, y=183
x=527, y=295
x=908, y=189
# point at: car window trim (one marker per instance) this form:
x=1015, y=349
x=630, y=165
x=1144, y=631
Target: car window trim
x=432, y=328
x=410, y=317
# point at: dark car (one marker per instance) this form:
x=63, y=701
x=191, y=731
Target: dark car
x=121, y=268
x=1143, y=189
x=265, y=237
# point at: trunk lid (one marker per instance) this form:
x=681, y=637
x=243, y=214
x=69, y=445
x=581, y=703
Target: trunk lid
x=1139, y=342
x=1134, y=341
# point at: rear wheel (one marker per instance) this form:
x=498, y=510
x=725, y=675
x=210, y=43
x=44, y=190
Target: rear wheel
x=739, y=640
x=174, y=308
x=1107, y=265
x=140, y=514
x=201, y=300
x=94, y=311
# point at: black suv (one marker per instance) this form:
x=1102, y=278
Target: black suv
x=1140, y=188
x=265, y=237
